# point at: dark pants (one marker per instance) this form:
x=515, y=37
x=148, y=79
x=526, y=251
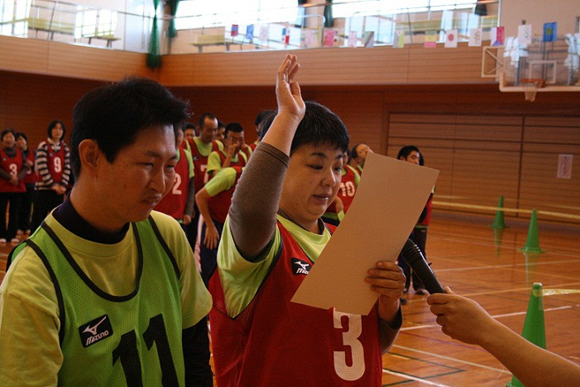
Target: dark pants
x=26, y=208
x=15, y=200
x=196, y=353
x=44, y=202
x=208, y=257
x=419, y=236
x=191, y=229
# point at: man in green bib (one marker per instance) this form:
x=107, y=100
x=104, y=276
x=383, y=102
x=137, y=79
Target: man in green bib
x=106, y=291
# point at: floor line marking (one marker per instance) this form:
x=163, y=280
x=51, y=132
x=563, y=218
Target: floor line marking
x=495, y=316
x=414, y=378
x=452, y=359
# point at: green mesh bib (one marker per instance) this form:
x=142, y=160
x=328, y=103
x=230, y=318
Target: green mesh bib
x=131, y=340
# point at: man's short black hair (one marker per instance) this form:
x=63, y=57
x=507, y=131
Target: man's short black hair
x=189, y=125
x=266, y=123
x=6, y=131
x=203, y=117
x=262, y=115
x=23, y=135
x=406, y=151
x=114, y=115
x=52, y=125
x=354, y=152
x=320, y=126
x=233, y=127
x=348, y=156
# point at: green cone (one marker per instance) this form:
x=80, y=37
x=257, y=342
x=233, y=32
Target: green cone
x=499, y=220
x=533, y=242
x=534, y=330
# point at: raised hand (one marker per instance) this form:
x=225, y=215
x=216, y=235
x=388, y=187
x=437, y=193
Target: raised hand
x=288, y=95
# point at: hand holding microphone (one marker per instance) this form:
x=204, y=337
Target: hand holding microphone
x=414, y=258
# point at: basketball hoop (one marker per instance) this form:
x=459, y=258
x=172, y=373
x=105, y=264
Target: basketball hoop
x=531, y=86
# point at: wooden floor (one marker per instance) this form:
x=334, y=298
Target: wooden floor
x=474, y=261
x=470, y=258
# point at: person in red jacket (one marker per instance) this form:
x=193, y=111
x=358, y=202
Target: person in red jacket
x=411, y=154
x=12, y=171
x=214, y=201
x=348, y=186
x=29, y=182
x=235, y=153
x=178, y=202
x=271, y=238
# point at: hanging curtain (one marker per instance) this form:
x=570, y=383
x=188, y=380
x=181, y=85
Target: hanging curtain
x=302, y=2
x=328, y=20
x=480, y=9
x=154, y=56
x=173, y=10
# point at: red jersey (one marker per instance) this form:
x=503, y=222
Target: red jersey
x=240, y=163
x=13, y=166
x=347, y=188
x=55, y=161
x=275, y=342
x=219, y=205
x=173, y=204
x=31, y=176
x=428, y=209
x=200, y=164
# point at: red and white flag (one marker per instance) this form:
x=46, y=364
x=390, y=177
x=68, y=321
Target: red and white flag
x=451, y=39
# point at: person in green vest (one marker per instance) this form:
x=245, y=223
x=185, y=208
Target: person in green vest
x=106, y=291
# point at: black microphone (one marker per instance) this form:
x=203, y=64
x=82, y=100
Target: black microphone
x=414, y=258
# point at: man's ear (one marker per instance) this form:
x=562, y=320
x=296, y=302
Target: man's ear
x=90, y=155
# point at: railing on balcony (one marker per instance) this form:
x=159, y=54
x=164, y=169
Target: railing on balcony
x=356, y=24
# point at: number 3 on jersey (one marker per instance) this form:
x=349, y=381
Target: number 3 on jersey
x=350, y=338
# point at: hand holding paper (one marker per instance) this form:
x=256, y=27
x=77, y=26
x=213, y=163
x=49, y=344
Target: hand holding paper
x=388, y=203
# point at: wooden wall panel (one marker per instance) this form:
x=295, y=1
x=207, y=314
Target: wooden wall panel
x=480, y=177
x=67, y=60
x=27, y=55
x=462, y=64
x=438, y=156
x=541, y=189
x=545, y=138
x=361, y=112
x=344, y=66
x=29, y=102
x=478, y=158
x=93, y=63
x=421, y=130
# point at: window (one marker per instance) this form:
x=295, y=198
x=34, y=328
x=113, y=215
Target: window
x=12, y=17
x=202, y=13
x=384, y=7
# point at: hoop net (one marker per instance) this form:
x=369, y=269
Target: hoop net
x=531, y=86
